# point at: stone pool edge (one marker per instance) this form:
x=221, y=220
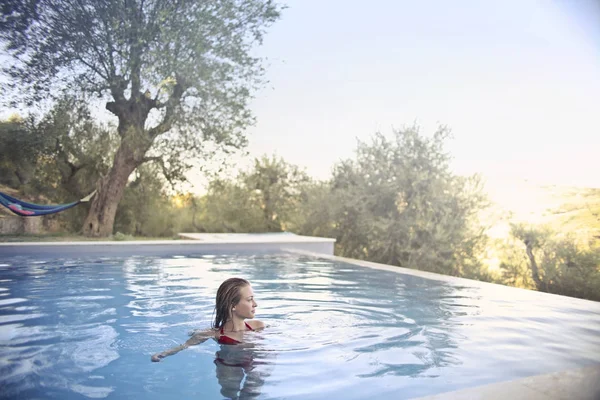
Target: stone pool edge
x=573, y=384
x=191, y=243
x=432, y=275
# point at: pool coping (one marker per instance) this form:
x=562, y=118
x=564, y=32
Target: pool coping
x=193, y=242
x=191, y=238
x=578, y=383
x=435, y=276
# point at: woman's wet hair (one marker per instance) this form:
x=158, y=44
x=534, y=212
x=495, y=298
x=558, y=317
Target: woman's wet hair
x=228, y=295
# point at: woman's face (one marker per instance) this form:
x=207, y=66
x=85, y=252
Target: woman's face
x=246, y=307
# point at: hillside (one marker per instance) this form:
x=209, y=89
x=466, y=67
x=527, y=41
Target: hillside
x=567, y=211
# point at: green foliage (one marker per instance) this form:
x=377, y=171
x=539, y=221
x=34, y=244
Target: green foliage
x=555, y=263
x=66, y=147
x=314, y=210
x=147, y=210
x=580, y=214
x=275, y=186
x=399, y=204
x=59, y=158
x=263, y=199
x=121, y=237
x=396, y=203
x=65, y=153
x=22, y=146
x=79, y=150
x=514, y=267
x=187, y=61
x=230, y=207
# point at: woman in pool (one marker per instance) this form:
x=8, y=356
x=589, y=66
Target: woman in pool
x=234, y=306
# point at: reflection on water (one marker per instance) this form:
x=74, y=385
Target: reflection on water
x=58, y=331
x=85, y=328
x=242, y=370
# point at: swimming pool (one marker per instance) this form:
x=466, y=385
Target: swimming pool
x=76, y=327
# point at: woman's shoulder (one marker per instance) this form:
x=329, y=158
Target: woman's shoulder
x=255, y=324
x=208, y=332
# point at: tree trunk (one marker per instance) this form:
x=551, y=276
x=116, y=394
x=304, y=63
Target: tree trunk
x=135, y=142
x=101, y=217
x=535, y=274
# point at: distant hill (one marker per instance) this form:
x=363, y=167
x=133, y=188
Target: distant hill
x=566, y=210
x=579, y=212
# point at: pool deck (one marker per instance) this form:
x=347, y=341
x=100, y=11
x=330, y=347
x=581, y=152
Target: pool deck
x=189, y=244
x=574, y=384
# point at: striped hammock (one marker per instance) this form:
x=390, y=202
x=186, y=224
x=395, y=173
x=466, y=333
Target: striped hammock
x=25, y=209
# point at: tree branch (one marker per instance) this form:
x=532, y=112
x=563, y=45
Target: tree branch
x=161, y=162
x=90, y=37
x=135, y=49
x=171, y=105
x=65, y=158
x=148, y=159
x=90, y=66
x=110, y=45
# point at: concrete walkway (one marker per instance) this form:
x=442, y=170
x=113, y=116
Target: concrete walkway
x=190, y=244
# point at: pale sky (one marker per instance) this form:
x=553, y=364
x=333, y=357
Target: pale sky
x=517, y=81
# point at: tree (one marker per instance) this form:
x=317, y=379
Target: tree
x=533, y=239
x=558, y=264
x=21, y=148
x=275, y=186
x=175, y=73
x=230, y=207
x=314, y=210
x=60, y=156
x=78, y=151
x=262, y=199
x=400, y=204
x=146, y=210
x=514, y=264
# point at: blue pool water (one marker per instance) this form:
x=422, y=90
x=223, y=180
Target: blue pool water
x=85, y=327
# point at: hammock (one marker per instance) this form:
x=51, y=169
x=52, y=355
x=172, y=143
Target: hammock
x=25, y=209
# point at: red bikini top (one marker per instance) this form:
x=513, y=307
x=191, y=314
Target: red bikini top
x=224, y=339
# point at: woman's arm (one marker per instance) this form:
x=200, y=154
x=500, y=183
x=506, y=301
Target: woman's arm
x=197, y=338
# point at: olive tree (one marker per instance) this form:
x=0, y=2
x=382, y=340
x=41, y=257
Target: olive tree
x=175, y=74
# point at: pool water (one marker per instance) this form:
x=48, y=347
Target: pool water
x=77, y=327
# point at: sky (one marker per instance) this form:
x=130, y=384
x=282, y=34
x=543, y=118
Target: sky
x=517, y=82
